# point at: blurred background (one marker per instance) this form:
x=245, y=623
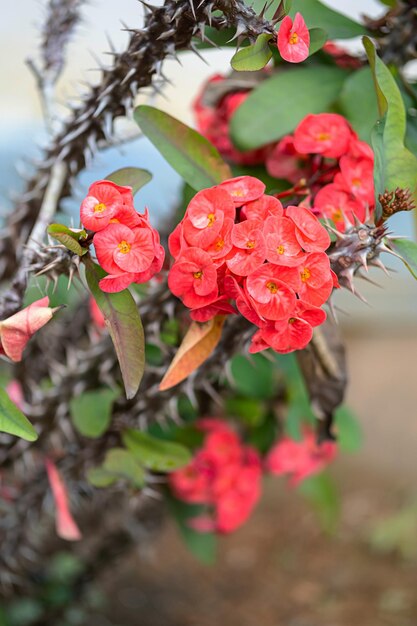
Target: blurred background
x=284, y=567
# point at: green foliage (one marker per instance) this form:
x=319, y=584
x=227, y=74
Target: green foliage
x=12, y=420
x=125, y=327
x=253, y=57
x=249, y=410
x=299, y=410
x=253, y=376
x=119, y=464
x=337, y=25
x=68, y=238
x=358, y=102
x=397, y=167
x=407, y=250
x=397, y=533
x=321, y=491
x=279, y=103
x=130, y=177
x=318, y=38
x=91, y=411
x=349, y=432
x=202, y=545
x=189, y=153
x=155, y=454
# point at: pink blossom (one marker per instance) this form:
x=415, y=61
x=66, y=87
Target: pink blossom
x=293, y=39
x=66, y=527
x=327, y=134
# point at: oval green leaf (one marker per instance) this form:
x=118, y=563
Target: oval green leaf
x=337, y=25
x=155, y=454
x=407, y=250
x=91, y=411
x=279, y=103
x=358, y=102
x=125, y=327
x=12, y=420
x=134, y=177
x=318, y=37
x=254, y=57
x=190, y=154
x=68, y=238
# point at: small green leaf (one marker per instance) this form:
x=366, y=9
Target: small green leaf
x=318, y=38
x=249, y=410
x=130, y=177
x=337, y=25
x=202, y=545
x=321, y=491
x=279, y=103
x=155, y=454
x=125, y=327
x=349, y=433
x=12, y=420
x=407, y=250
x=68, y=238
x=100, y=477
x=253, y=57
x=91, y=411
x=119, y=464
x=188, y=152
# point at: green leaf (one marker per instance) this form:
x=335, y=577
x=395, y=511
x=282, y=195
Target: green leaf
x=91, y=411
x=68, y=238
x=321, y=491
x=400, y=165
x=377, y=142
x=337, y=25
x=253, y=57
x=119, y=464
x=155, y=454
x=407, y=250
x=318, y=37
x=279, y=103
x=188, y=152
x=12, y=420
x=202, y=545
x=349, y=433
x=254, y=376
x=249, y=410
x=358, y=102
x=130, y=177
x=125, y=327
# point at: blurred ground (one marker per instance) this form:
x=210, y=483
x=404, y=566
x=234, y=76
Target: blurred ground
x=281, y=569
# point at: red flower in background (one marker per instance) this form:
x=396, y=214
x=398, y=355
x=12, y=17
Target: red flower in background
x=327, y=134
x=293, y=39
x=224, y=475
x=300, y=459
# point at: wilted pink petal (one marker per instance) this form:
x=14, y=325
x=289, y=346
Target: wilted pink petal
x=66, y=527
x=15, y=331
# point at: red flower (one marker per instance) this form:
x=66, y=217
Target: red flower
x=335, y=204
x=282, y=246
x=249, y=247
x=272, y=298
x=121, y=249
x=15, y=331
x=104, y=199
x=66, y=527
x=316, y=280
x=193, y=278
x=285, y=162
x=293, y=39
x=243, y=189
x=327, y=134
x=357, y=177
x=205, y=216
x=310, y=234
x=300, y=459
x=262, y=208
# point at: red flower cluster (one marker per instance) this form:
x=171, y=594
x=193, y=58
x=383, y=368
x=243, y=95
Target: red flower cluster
x=213, y=122
x=300, y=459
x=127, y=247
x=237, y=243
x=224, y=475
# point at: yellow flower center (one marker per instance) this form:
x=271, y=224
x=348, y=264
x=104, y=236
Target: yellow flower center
x=237, y=193
x=250, y=245
x=323, y=136
x=356, y=182
x=124, y=247
x=280, y=249
x=272, y=287
x=337, y=215
x=291, y=320
x=305, y=274
x=293, y=38
x=219, y=244
x=211, y=219
x=198, y=275
x=99, y=207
